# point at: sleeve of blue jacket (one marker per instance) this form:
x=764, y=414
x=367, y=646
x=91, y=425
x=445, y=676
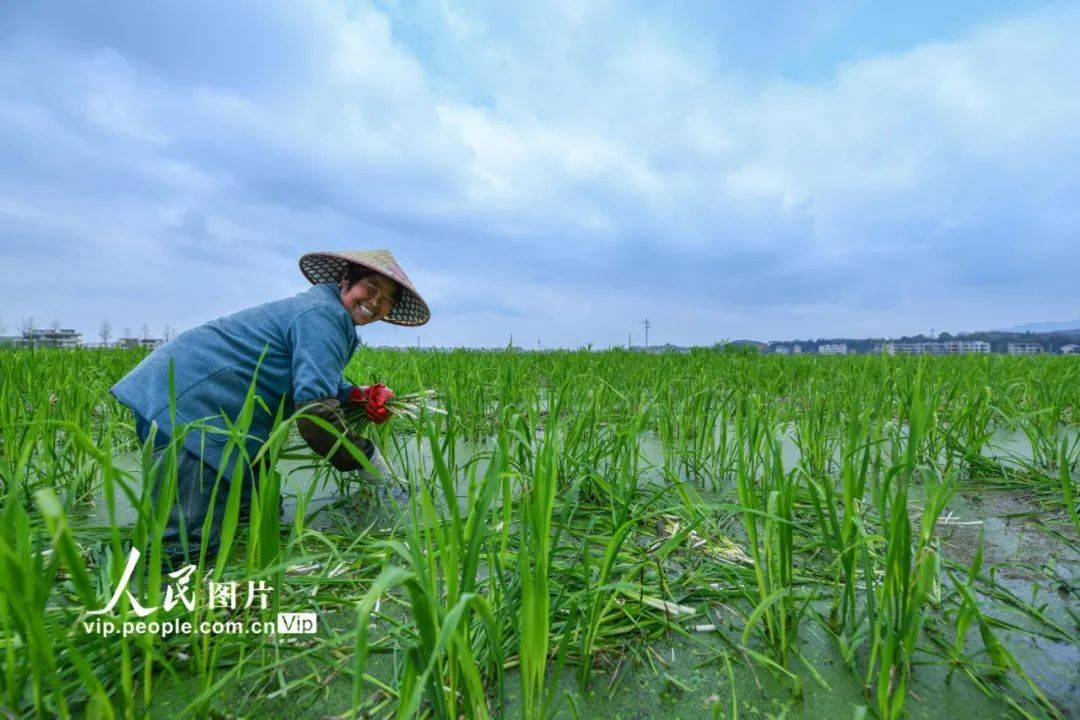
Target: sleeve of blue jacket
x=320, y=342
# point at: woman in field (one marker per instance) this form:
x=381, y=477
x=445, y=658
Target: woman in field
x=292, y=352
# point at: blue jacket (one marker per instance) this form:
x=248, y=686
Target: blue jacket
x=308, y=339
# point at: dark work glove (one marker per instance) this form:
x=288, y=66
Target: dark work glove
x=323, y=441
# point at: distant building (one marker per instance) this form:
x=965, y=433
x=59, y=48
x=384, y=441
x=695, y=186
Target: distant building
x=1026, y=349
x=949, y=347
x=130, y=342
x=58, y=338
x=781, y=350
x=961, y=347
x=796, y=350
x=1070, y=349
x=906, y=348
x=833, y=349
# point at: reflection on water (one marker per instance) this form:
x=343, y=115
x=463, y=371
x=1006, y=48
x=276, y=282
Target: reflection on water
x=306, y=477
x=410, y=457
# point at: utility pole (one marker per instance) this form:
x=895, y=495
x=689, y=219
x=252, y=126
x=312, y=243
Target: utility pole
x=629, y=341
x=537, y=344
x=646, y=324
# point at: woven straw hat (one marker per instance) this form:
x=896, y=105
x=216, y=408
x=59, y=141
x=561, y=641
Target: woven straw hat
x=326, y=267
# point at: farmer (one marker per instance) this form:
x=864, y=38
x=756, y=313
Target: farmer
x=294, y=350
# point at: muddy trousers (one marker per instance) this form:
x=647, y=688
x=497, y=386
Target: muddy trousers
x=195, y=482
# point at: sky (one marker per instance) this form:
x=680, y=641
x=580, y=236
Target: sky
x=555, y=172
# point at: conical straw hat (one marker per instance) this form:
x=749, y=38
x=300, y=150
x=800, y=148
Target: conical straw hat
x=326, y=267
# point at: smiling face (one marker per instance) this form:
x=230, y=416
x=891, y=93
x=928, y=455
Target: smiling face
x=370, y=298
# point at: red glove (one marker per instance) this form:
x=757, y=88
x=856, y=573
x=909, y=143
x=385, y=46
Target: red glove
x=373, y=398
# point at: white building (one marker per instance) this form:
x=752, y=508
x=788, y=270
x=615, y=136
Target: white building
x=949, y=347
x=1070, y=349
x=796, y=350
x=833, y=349
x=960, y=347
x=59, y=338
x=780, y=350
x=918, y=348
x=1025, y=349
x=130, y=342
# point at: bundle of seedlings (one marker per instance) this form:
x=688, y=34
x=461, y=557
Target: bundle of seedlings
x=377, y=403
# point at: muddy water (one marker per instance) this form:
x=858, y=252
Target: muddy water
x=1039, y=568
x=297, y=479
x=680, y=678
x=322, y=490
x=690, y=682
x=403, y=457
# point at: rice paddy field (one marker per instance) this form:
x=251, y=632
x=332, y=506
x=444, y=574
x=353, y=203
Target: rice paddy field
x=586, y=535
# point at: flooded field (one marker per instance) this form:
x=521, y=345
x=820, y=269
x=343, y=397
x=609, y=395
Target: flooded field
x=684, y=674
x=590, y=535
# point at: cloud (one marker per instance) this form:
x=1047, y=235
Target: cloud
x=563, y=171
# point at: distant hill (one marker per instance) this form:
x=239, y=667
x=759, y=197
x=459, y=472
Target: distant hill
x=1041, y=327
